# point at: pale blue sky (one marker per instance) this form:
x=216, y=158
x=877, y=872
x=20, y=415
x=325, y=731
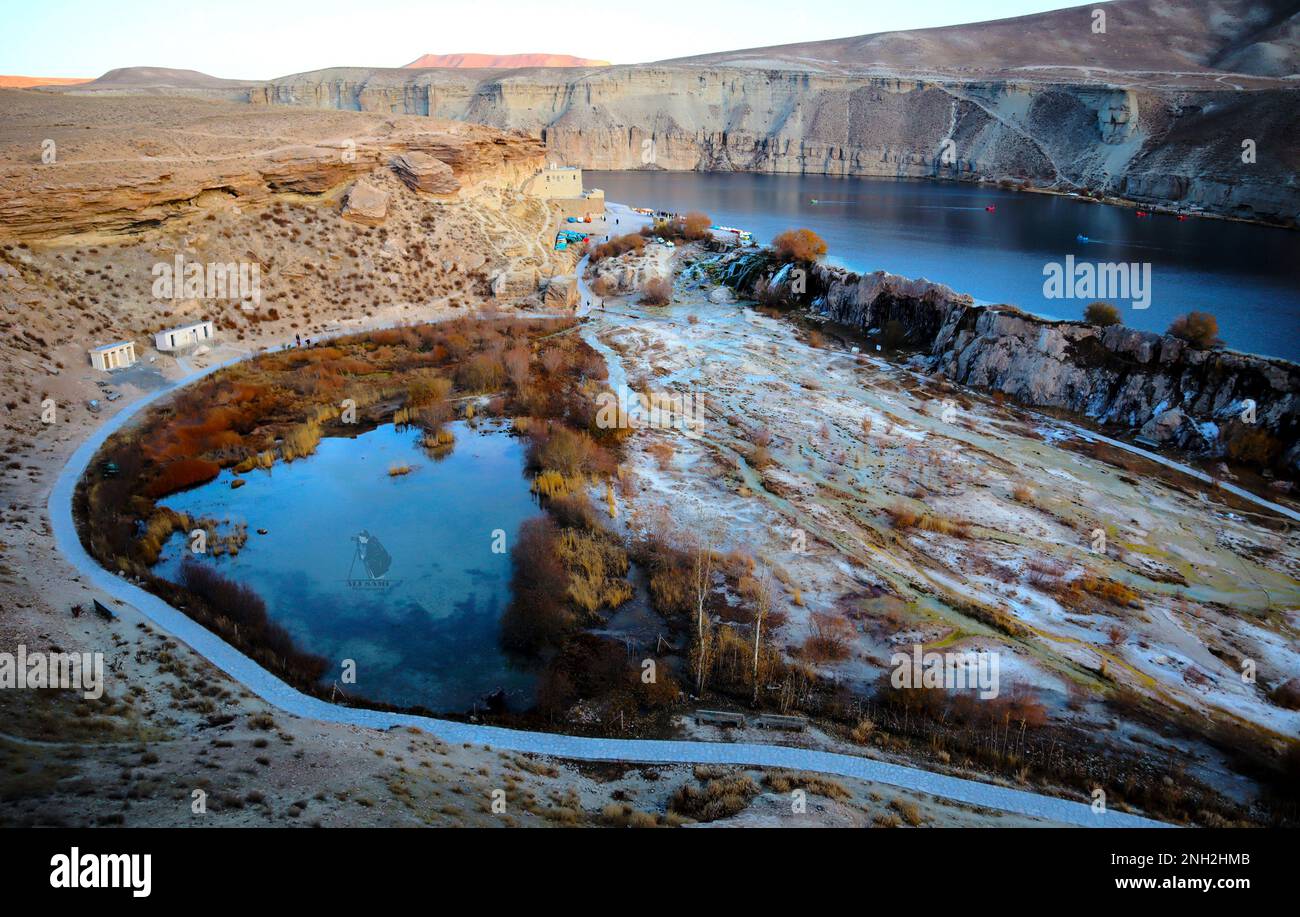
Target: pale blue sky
x=259, y=39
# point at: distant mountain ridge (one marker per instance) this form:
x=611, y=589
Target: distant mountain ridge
x=501, y=61
x=27, y=82
x=1257, y=37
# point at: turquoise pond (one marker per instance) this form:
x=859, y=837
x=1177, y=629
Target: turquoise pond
x=423, y=631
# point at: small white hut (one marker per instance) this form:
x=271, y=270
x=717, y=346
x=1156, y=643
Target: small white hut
x=113, y=356
x=184, y=337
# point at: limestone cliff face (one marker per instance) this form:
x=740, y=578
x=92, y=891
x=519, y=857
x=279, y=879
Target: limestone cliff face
x=1138, y=380
x=1154, y=145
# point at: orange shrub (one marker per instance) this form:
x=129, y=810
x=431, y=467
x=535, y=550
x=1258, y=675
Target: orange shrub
x=182, y=473
x=829, y=640
x=799, y=245
x=632, y=242
x=696, y=225
x=658, y=291
x=1200, y=329
x=481, y=373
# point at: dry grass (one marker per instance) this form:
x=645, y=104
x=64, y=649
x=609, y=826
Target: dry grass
x=721, y=797
x=300, y=441
x=439, y=442
x=180, y=474
x=596, y=568
x=863, y=731
x=552, y=484
x=786, y=781
x=908, y=811
x=903, y=517
x=658, y=291
x=661, y=450
x=622, y=815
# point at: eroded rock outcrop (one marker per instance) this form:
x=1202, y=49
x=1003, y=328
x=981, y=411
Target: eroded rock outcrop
x=421, y=172
x=1174, y=392
x=138, y=175
x=560, y=293
x=365, y=204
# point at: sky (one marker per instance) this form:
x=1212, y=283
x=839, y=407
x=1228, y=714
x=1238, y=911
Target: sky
x=261, y=39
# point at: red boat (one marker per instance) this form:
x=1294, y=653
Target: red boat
x=1143, y=213
x=991, y=208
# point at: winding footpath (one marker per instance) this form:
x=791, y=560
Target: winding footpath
x=295, y=703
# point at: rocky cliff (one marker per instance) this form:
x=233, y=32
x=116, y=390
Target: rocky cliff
x=1159, y=385
x=1158, y=145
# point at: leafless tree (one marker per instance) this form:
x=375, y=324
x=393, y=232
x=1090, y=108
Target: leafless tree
x=762, y=606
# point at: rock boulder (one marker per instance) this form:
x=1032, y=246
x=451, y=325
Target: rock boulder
x=422, y=172
x=365, y=204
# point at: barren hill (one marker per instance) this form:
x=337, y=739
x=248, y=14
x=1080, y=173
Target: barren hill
x=162, y=81
x=1246, y=36
x=502, y=61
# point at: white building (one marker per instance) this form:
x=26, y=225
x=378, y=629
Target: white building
x=555, y=182
x=184, y=337
x=113, y=356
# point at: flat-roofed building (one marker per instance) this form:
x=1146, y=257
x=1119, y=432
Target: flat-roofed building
x=562, y=186
x=185, y=336
x=555, y=182
x=113, y=356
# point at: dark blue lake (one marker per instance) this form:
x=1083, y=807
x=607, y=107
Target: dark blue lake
x=425, y=630
x=1246, y=275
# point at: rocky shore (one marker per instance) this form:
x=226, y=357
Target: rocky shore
x=1159, y=386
